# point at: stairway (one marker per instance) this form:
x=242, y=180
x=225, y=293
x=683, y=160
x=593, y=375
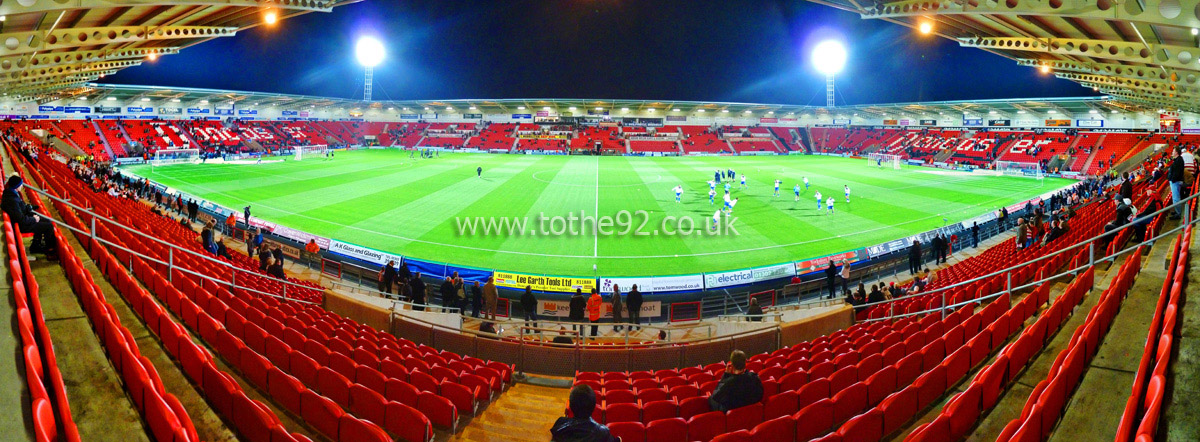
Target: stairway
x=1087, y=165
x=103, y=139
x=524, y=413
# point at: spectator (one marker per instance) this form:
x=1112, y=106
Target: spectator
x=254, y=243
x=633, y=303
x=914, y=257
x=975, y=234
x=490, y=298
x=23, y=216
x=1175, y=177
x=230, y=223
x=529, y=306
x=449, y=294
x=754, y=311
x=313, y=249
x=594, y=303
x=738, y=387
x=580, y=427
x=476, y=299
x=562, y=337
x=1126, y=186
x=206, y=238
x=275, y=269
x=387, y=277
x=418, y=292
x=1021, y=233
x=575, y=312
x=831, y=278
x=876, y=295
x=845, y=276
x=223, y=251
x=618, y=308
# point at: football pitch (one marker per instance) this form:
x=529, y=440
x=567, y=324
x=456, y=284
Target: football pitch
x=423, y=208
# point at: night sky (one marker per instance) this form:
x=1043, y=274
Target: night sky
x=741, y=51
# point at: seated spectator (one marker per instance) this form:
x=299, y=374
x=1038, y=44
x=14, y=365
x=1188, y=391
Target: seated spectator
x=580, y=427
x=755, y=311
x=275, y=269
x=738, y=388
x=562, y=337
x=222, y=250
x=876, y=295
x=24, y=218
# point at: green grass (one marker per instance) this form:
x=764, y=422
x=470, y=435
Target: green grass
x=384, y=200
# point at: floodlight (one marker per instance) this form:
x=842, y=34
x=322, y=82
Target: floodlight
x=926, y=27
x=369, y=51
x=829, y=57
x=270, y=17
x=1045, y=69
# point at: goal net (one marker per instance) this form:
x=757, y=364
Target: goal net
x=302, y=151
x=163, y=157
x=882, y=160
x=1016, y=168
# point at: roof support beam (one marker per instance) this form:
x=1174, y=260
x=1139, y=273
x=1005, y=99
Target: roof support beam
x=1083, y=9
x=1143, y=85
x=1181, y=104
x=1178, y=57
x=31, y=74
x=54, y=59
x=1141, y=72
x=15, y=43
x=47, y=6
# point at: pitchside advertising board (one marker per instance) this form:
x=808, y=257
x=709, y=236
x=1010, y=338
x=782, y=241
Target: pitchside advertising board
x=562, y=309
x=543, y=283
x=749, y=276
x=815, y=264
x=365, y=254
x=654, y=284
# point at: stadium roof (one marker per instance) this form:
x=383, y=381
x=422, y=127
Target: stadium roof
x=50, y=48
x=1143, y=53
x=166, y=96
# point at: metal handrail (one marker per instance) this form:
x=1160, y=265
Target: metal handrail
x=1073, y=271
x=172, y=247
x=395, y=302
x=1090, y=242
x=778, y=317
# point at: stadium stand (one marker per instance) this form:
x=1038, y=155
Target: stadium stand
x=1109, y=147
x=653, y=146
x=494, y=136
x=408, y=134
x=701, y=139
x=607, y=136
x=84, y=136
x=340, y=132
x=546, y=144
x=784, y=135
x=444, y=142
x=755, y=146
x=114, y=135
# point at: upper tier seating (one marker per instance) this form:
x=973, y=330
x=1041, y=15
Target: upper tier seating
x=1112, y=147
x=607, y=136
x=785, y=134
x=701, y=139
x=653, y=146
x=341, y=132
x=408, y=134
x=156, y=134
x=1033, y=148
x=755, y=146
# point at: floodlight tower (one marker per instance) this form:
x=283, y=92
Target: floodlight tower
x=829, y=57
x=370, y=53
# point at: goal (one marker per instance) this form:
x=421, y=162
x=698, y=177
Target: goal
x=1016, y=168
x=882, y=160
x=164, y=157
x=301, y=151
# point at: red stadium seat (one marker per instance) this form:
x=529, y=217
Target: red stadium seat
x=438, y=409
x=622, y=412
x=320, y=412
x=812, y=392
x=628, y=431
x=693, y=406
x=367, y=404
x=667, y=430
x=655, y=410
x=735, y=436
x=781, y=404
x=781, y=429
x=351, y=429
x=866, y=427
x=706, y=426
x=814, y=420
x=898, y=409
x=285, y=390
x=408, y=423
x=850, y=402
x=744, y=418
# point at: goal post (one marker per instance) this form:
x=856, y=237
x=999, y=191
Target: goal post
x=301, y=151
x=163, y=157
x=882, y=160
x=1020, y=169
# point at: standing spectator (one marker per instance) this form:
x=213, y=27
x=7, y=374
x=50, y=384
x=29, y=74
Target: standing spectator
x=575, y=312
x=246, y=211
x=230, y=223
x=914, y=257
x=618, y=308
x=580, y=427
x=387, y=277
x=594, y=303
x=529, y=305
x=1174, y=176
x=845, y=276
x=1126, y=186
x=738, y=387
x=418, y=292
x=449, y=294
x=313, y=249
x=975, y=234
x=206, y=239
x=490, y=298
x=254, y=243
x=633, y=303
x=404, y=273
x=1021, y=233
x=831, y=278
x=476, y=299
x=755, y=311
x=277, y=253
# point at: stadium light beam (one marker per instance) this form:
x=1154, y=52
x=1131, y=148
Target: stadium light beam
x=370, y=53
x=829, y=57
x=926, y=27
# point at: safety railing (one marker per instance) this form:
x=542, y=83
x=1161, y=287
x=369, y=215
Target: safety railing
x=172, y=249
x=355, y=289
x=1186, y=220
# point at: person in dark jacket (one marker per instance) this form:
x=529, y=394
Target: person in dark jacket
x=1126, y=190
x=577, y=306
x=449, y=293
x=418, y=292
x=206, y=239
x=223, y=251
x=831, y=279
x=975, y=235
x=914, y=257
x=275, y=269
x=579, y=427
x=633, y=303
x=387, y=277
x=755, y=311
x=618, y=307
x=1175, y=177
x=277, y=253
x=404, y=274
x=529, y=306
x=476, y=299
x=738, y=387
x=23, y=216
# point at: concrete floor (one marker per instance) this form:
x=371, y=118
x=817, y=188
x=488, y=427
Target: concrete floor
x=17, y=423
x=1180, y=421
